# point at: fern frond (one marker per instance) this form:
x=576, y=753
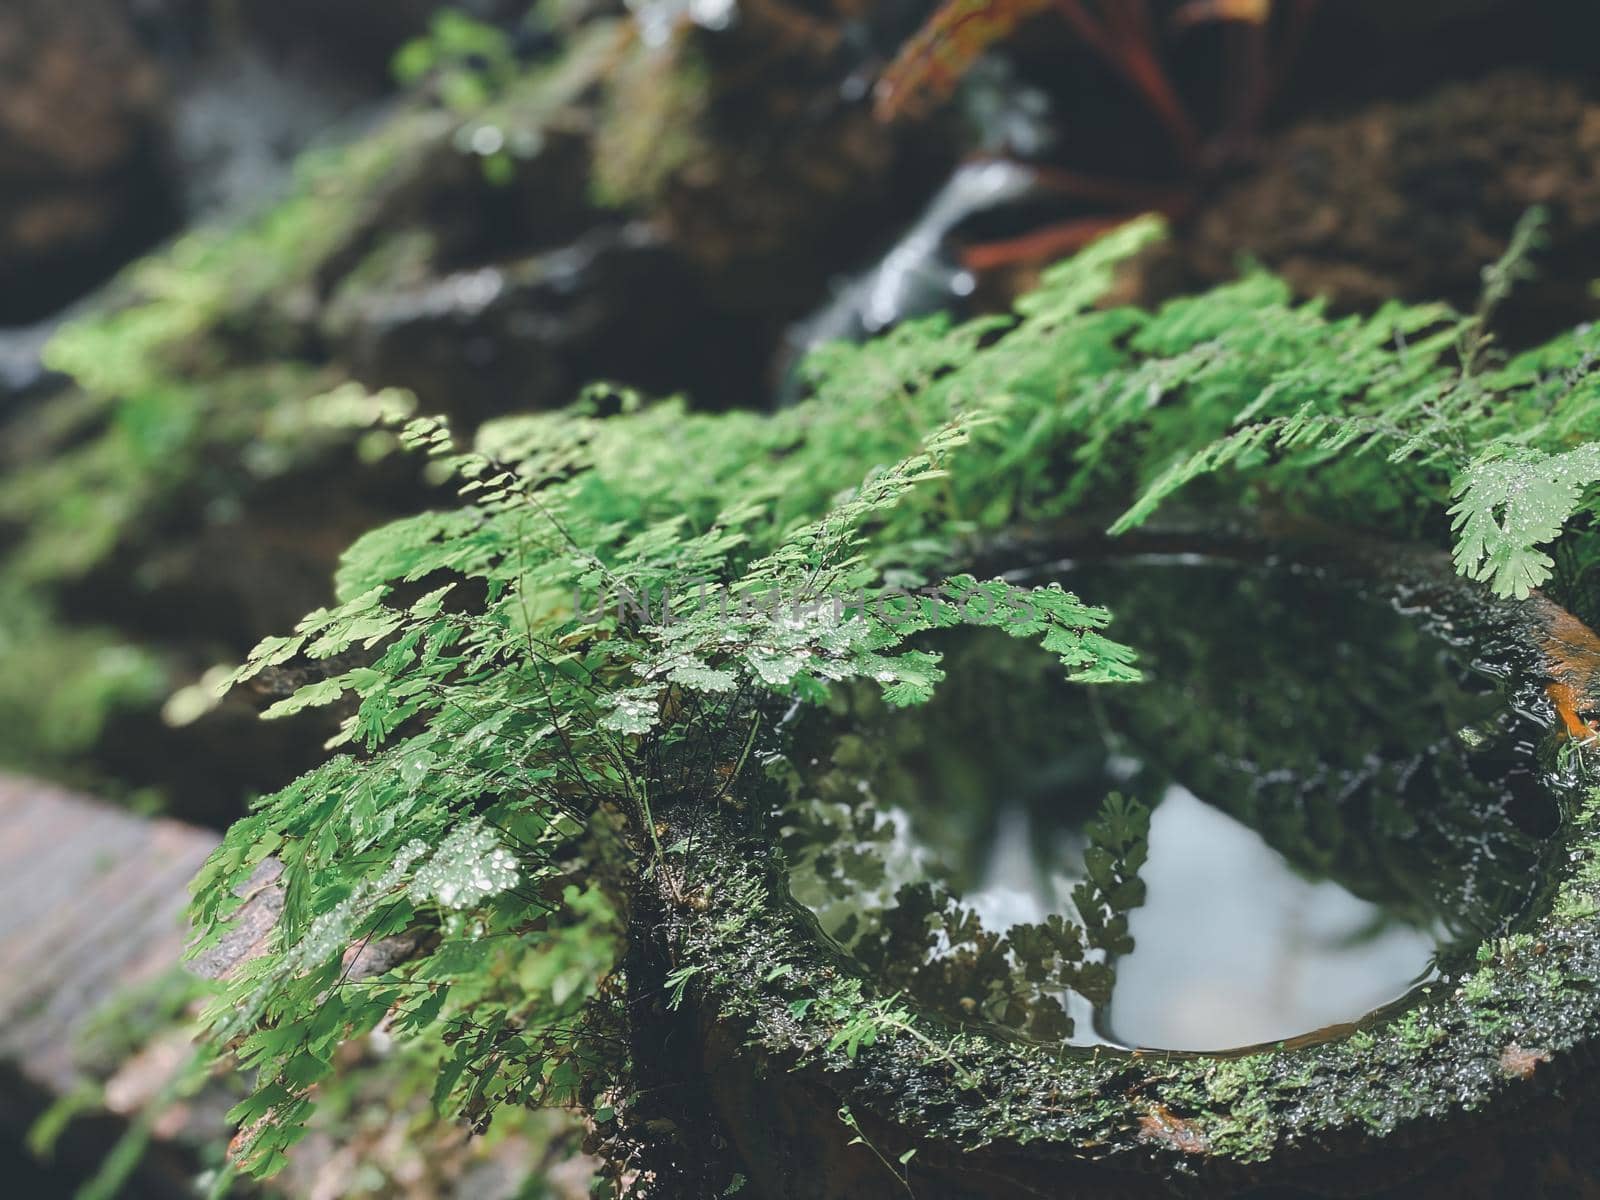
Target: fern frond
x=1306, y=430
x=1510, y=503
x=767, y=558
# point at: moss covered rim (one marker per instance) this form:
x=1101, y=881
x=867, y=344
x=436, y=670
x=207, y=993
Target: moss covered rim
x=753, y=966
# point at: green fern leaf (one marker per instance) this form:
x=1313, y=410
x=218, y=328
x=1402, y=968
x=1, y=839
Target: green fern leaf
x=1508, y=504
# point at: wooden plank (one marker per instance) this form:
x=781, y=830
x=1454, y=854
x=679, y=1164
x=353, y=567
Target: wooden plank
x=91, y=901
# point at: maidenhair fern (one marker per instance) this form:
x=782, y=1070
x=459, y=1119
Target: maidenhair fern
x=1514, y=484
x=496, y=734
x=1511, y=501
x=631, y=591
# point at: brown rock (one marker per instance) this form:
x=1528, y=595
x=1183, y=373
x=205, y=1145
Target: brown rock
x=1411, y=200
x=1519, y=1062
x=1162, y=1125
x=250, y=931
x=81, y=129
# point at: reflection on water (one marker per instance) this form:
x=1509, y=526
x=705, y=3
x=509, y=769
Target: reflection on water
x=1311, y=804
x=1256, y=951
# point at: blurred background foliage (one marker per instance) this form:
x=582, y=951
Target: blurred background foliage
x=234, y=231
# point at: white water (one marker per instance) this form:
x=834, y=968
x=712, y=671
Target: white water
x=918, y=275
x=1233, y=947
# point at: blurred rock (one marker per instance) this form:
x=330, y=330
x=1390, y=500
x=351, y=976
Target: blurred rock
x=240, y=119
x=669, y=202
x=756, y=146
x=491, y=256
x=1411, y=200
x=249, y=933
x=356, y=35
x=350, y=39
x=22, y=371
x=527, y=332
x=83, y=183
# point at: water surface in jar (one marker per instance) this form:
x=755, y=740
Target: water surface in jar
x=1311, y=806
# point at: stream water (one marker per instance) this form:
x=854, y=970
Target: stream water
x=1317, y=802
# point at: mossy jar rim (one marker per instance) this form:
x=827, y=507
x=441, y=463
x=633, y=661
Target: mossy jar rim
x=1455, y=1058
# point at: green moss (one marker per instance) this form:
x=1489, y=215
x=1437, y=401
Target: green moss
x=1441, y=1056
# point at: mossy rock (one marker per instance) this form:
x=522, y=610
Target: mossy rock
x=1466, y=1085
